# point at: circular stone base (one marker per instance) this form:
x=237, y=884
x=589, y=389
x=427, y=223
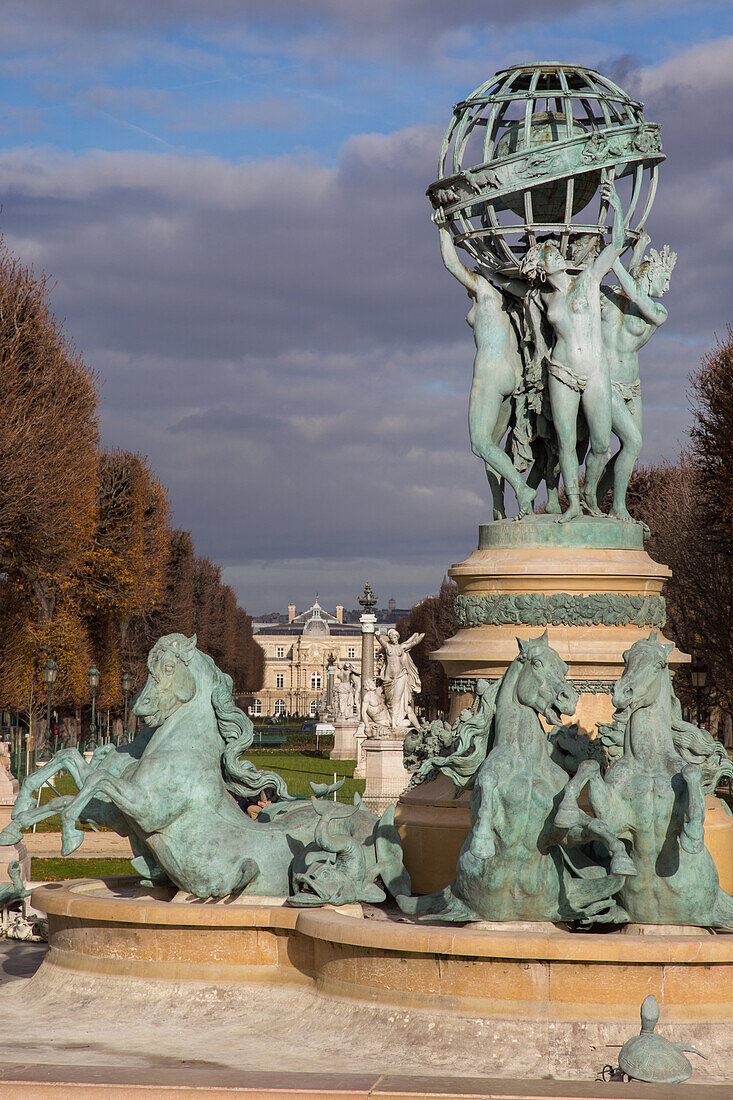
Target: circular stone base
x=589, y=583
x=115, y=928
x=536, y=530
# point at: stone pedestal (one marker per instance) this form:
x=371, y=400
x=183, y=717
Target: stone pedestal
x=386, y=777
x=344, y=740
x=590, y=582
x=360, y=769
x=9, y=788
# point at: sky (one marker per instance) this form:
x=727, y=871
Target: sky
x=230, y=198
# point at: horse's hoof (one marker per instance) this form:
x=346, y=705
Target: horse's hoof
x=622, y=864
x=71, y=840
x=11, y=834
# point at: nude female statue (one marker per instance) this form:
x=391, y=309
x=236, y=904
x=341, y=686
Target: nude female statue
x=497, y=371
x=401, y=680
x=578, y=372
x=630, y=317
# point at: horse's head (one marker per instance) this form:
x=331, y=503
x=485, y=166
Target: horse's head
x=541, y=682
x=171, y=681
x=645, y=675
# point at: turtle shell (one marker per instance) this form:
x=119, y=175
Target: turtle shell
x=649, y=1057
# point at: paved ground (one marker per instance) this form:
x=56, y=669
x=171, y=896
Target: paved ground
x=19, y=960
x=59, y=1022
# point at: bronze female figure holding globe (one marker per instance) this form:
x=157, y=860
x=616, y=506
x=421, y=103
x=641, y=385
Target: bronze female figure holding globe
x=578, y=371
x=497, y=373
x=630, y=317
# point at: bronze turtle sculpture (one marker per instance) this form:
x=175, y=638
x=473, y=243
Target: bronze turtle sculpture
x=650, y=1057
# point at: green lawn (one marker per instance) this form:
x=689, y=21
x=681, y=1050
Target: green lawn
x=297, y=769
x=56, y=870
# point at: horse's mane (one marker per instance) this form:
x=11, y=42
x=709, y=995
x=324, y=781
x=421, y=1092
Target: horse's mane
x=699, y=747
x=694, y=744
x=241, y=777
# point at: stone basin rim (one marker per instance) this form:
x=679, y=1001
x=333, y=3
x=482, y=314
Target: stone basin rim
x=79, y=899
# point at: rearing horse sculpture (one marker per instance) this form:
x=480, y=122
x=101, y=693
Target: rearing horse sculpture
x=175, y=795
x=654, y=798
x=511, y=866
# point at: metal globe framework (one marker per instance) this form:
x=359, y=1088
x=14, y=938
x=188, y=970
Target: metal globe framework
x=525, y=154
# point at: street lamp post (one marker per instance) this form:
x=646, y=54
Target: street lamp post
x=49, y=674
x=126, y=685
x=93, y=684
x=699, y=676
x=368, y=601
x=330, y=671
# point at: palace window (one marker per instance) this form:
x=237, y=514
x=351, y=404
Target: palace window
x=280, y=679
x=256, y=707
x=313, y=709
x=351, y=651
x=315, y=681
x=280, y=652
x=279, y=708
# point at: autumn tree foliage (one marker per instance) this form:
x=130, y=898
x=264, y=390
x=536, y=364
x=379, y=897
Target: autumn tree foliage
x=90, y=570
x=432, y=617
x=48, y=441
x=688, y=508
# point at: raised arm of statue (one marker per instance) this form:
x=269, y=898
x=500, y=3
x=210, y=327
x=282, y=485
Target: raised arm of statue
x=449, y=255
x=605, y=261
x=651, y=311
x=637, y=256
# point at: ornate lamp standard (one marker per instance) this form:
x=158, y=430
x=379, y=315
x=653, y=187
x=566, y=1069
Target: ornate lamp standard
x=330, y=671
x=93, y=684
x=49, y=673
x=367, y=600
x=126, y=686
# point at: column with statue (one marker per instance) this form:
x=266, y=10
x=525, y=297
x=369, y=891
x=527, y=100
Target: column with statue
x=386, y=713
x=367, y=601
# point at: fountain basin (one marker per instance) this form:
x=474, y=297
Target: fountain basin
x=117, y=928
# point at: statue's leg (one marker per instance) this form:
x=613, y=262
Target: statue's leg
x=596, y=403
x=627, y=424
x=569, y=813
x=125, y=795
x=692, y=838
x=13, y=831
x=481, y=843
x=496, y=485
x=611, y=819
x=578, y=826
x=68, y=759
x=565, y=403
x=485, y=409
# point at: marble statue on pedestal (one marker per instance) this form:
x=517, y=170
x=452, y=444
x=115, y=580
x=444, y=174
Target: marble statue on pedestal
x=400, y=679
x=346, y=690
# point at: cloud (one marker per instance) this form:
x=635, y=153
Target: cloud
x=279, y=336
